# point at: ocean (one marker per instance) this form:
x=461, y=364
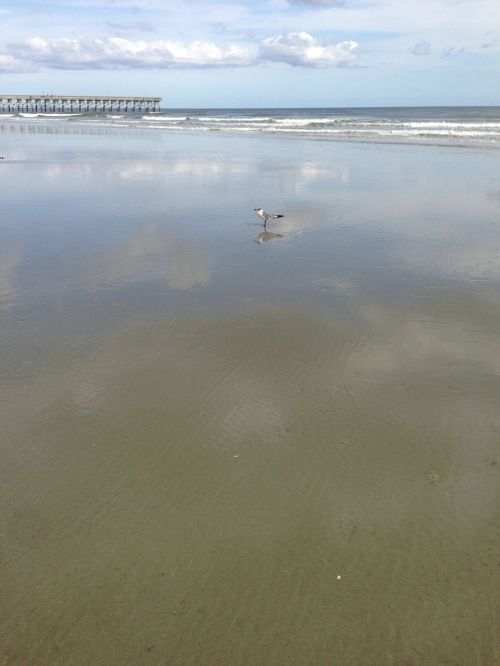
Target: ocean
x=448, y=125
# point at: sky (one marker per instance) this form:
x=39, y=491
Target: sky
x=265, y=53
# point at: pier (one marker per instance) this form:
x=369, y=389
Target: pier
x=76, y=104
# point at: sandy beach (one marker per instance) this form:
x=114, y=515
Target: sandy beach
x=225, y=448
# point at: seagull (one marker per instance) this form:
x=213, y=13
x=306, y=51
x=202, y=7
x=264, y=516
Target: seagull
x=266, y=215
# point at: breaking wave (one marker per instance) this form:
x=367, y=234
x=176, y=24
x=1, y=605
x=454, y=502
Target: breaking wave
x=449, y=125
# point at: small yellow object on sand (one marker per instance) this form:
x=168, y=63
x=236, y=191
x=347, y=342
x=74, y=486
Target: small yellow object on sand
x=339, y=577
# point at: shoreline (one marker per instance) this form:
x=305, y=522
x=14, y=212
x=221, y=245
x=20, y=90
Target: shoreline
x=92, y=127
x=441, y=126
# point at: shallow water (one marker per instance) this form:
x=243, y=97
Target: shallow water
x=226, y=446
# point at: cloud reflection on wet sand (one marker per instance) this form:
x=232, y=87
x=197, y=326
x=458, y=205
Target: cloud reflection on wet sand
x=153, y=253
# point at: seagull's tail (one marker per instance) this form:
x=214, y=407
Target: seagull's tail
x=280, y=216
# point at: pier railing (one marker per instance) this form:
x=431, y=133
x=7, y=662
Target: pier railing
x=76, y=104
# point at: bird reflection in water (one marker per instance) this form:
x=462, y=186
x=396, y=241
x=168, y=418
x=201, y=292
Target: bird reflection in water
x=267, y=236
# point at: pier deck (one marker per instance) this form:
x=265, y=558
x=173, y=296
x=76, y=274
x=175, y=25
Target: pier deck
x=76, y=103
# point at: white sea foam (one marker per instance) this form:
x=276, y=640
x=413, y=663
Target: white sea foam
x=459, y=126
x=163, y=118
x=48, y=115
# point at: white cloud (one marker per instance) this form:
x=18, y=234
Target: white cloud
x=421, y=48
x=298, y=49
x=302, y=50
x=120, y=53
x=453, y=50
x=8, y=65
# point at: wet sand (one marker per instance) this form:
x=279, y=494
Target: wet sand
x=225, y=447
